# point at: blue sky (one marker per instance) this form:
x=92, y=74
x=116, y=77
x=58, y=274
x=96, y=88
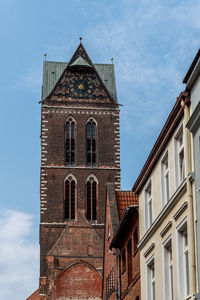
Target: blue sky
x=153, y=42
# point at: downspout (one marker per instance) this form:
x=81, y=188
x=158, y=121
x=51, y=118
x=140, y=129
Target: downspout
x=191, y=223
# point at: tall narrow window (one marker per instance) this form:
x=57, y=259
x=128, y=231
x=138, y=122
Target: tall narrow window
x=70, y=141
x=148, y=205
x=70, y=198
x=183, y=257
x=129, y=253
x=151, y=288
x=168, y=268
x=91, y=142
x=179, y=157
x=165, y=179
x=91, y=187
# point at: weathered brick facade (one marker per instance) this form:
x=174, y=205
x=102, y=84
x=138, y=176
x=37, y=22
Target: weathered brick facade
x=121, y=255
x=71, y=251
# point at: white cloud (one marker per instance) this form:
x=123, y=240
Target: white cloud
x=19, y=259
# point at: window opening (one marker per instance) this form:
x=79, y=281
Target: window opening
x=168, y=267
x=151, y=281
x=91, y=199
x=70, y=198
x=179, y=157
x=149, y=206
x=183, y=257
x=91, y=142
x=165, y=179
x=70, y=141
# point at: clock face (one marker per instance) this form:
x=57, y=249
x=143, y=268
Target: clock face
x=81, y=85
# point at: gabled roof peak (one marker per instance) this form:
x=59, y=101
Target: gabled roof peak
x=80, y=56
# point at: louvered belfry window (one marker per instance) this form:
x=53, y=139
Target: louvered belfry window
x=70, y=198
x=91, y=142
x=70, y=141
x=91, y=199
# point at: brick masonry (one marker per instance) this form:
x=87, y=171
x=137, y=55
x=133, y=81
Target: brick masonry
x=72, y=250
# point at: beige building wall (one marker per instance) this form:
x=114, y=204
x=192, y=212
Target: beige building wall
x=167, y=219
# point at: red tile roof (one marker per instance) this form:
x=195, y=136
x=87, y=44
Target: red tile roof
x=124, y=200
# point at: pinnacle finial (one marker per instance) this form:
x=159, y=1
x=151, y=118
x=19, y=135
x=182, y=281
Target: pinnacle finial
x=80, y=39
x=45, y=56
x=112, y=60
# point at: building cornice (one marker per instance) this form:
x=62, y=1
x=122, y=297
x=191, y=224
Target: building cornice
x=86, y=108
x=79, y=168
x=162, y=215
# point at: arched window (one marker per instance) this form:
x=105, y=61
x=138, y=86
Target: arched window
x=91, y=142
x=70, y=198
x=91, y=194
x=70, y=141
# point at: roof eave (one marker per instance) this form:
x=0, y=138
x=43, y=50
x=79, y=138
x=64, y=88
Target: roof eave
x=121, y=224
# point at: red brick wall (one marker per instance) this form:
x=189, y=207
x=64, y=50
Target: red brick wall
x=132, y=290
x=54, y=171
x=34, y=296
x=82, y=241
x=110, y=260
x=79, y=281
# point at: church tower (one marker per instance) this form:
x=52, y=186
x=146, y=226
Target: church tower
x=80, y=153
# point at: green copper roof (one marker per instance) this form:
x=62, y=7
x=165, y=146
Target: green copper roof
x=80, y=62
x=53, y=70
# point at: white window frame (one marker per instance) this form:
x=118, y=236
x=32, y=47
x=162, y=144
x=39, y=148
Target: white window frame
x=165, y=179
x=168, y=269
x=183, y=260
x=148, y=204
x=150, y=279
x=179, y=150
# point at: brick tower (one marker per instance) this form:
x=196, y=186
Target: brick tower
x=79, y=155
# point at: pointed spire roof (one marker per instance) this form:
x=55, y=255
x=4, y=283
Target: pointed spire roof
x=80, y=56
x=54, y=71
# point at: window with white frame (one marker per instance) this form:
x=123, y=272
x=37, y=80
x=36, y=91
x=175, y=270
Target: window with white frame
x=183, y=259
x=148, y=205
x=165, y=179
x=179, y=157
x=151, y=284
x=168, y=271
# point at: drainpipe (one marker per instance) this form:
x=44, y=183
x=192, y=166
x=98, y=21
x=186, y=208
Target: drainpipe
x=191, y=223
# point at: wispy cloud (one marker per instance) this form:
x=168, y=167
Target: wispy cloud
x=152, y=42
x=19, y=256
